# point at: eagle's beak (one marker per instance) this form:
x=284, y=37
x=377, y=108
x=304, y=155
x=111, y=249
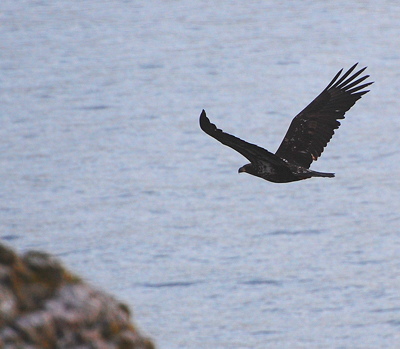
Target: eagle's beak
x=242, y=169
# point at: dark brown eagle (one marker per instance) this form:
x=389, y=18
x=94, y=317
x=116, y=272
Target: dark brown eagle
x=307, y=136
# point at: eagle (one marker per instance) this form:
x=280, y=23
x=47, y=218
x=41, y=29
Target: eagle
x=308, y=134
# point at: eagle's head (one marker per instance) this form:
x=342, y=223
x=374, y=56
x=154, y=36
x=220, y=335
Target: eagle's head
x=248, y=168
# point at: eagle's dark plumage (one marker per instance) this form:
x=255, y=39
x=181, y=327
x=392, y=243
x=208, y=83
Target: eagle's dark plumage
x=307, y=136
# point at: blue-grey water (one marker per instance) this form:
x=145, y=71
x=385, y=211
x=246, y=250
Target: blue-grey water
x=102, y=163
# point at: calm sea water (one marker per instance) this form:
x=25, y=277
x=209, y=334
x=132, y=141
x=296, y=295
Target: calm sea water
x=102, y=163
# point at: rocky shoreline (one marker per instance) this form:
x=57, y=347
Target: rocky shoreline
x=43, y=305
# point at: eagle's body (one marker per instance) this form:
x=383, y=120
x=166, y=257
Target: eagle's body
x=307, y=136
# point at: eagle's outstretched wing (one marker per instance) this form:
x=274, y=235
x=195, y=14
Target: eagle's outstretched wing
x=312, y=129
x=252, y=152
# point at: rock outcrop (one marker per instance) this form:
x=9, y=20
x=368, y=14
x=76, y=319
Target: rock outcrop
x=42, y=305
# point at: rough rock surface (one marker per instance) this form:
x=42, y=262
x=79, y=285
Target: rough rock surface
x=42, y=305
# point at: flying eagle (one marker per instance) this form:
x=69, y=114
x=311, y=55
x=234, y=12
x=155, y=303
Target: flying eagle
x=307, y=136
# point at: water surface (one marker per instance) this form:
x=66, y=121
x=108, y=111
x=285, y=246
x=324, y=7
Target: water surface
x=103, y=164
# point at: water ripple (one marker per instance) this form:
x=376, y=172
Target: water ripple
x=171, y=284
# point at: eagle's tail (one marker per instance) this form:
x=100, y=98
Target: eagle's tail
x=321, y=174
